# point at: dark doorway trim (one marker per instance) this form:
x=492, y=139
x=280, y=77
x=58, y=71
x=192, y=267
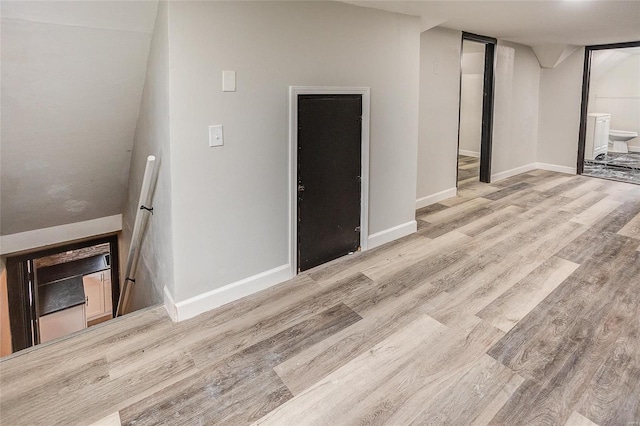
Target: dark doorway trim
x=584, y=104
x=22, y=309
x=487, y=102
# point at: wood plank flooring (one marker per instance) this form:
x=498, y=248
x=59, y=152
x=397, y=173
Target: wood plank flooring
x=468, y=169
x=515, y=303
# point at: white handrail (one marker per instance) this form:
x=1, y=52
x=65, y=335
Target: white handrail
x=144, y=210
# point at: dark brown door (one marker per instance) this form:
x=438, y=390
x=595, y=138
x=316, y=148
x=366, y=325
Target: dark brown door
x=329, y=156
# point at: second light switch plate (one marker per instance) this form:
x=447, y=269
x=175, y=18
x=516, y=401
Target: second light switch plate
x=215, y=135
x=228, y=81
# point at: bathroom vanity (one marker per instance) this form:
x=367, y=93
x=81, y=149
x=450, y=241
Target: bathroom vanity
x=597, y=137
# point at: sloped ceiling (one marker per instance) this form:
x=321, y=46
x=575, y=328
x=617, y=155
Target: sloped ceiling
x=604, y=61
x=550, y=55
x=72, y=78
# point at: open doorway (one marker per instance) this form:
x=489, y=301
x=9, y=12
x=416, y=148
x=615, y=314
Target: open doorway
x=609, y=142
x=475, y=126
x=471, y=90
x=59, y=291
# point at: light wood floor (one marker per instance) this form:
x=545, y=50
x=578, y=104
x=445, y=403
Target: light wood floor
x=516, y=303
x=468, y=169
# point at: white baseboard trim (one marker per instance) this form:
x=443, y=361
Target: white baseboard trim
x=170, y=305
x=38, y=238
x=180, y=311
x=434, y=198
x=388, y=235
x=533, y=166
x=469, y=153
x=513, y=172
x=556, y=168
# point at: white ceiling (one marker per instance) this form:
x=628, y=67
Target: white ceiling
x=72, y=79
x=629, y=50
x=577, y=22
x=137, y=16
x=604, y=61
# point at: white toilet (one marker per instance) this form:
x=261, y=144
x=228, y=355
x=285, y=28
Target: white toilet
x=620, y=139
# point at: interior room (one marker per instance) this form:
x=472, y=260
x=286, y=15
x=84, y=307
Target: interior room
x=613, y=121
x=60, y=292
x=312, y=219
x=67, y=290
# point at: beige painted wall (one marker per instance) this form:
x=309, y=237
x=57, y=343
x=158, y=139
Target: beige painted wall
x=230, y=203
x=471, y=93
x=439, y=100
x=72, y=76
x=155, y=267
x=515, y=125
x=618, y=93
x=559, y=111
x=5, y=328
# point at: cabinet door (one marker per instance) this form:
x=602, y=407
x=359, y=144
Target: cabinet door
x=62, y=323
x=106, y=282
x=606, y=124
x=590, y=140
x=93, y=290
x=602, y=133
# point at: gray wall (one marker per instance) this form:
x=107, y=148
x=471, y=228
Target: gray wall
x=71, y=88
x=515, y=127
x=515, y=122
x=471, y=93
x=617, y=92
x=230, y=203
x=560, y=97
x=439, y=100
x=155, y=267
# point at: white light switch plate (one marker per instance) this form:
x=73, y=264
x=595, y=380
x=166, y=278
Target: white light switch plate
x=228, y=81
x=215, y=135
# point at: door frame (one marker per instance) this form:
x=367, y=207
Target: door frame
x=584, y=103
x=22, y=313
x=488, y=89
x=294, y=91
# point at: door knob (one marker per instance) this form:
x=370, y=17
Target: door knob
x=300, y=188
